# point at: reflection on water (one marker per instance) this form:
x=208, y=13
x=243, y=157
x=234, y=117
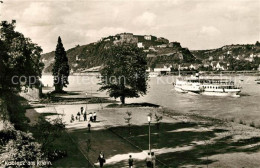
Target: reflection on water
x=160, y=91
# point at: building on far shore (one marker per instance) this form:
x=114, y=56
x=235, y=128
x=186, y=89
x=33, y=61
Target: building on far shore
x=125, y=37
x=140, y=45
x=163, y=69
x=148, y=37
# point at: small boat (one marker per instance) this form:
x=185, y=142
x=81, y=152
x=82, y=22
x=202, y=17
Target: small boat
x=257, y=81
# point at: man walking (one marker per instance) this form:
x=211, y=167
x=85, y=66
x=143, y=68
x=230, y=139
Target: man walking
x=130, y=162
x=101, y=159
x=95, y=116
x=85, y=116
x=81, y=110
x=89, y=126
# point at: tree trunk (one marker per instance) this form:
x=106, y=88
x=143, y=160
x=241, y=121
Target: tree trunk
x=122, y=99
x=58, y=88
x=58, y=85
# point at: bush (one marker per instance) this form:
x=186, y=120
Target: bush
x=56, y=154
x=7, y=134
x=20, y=147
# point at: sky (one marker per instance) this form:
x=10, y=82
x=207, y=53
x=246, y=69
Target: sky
x=196, y=24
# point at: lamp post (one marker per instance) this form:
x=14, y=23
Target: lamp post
x=149, y=121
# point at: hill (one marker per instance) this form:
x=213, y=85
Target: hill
x=159, y=51
x=235, y=56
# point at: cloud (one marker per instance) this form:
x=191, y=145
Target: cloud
x=196, y=24
x=146, y=19
x=209, y=31
x=43, y=14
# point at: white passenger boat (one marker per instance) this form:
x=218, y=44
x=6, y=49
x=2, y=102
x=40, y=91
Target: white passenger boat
x=187, y=85
x=207, y=86
x=219, y=87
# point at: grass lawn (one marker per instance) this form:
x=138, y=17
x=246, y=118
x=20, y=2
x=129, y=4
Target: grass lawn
x=194, y=145
x=74, y=159
x=105, y=141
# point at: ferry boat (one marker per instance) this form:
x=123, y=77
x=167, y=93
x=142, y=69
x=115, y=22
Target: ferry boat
x=187, y=85
x=207, y=86
x=219, y=87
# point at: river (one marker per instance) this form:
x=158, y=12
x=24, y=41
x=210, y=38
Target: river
x=160, y=91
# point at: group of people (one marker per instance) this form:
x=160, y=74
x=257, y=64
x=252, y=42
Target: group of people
x=150, y=160
x=92, y=118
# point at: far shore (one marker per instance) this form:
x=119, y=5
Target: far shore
x=175, y=73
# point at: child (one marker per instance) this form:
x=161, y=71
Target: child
x=130, y=162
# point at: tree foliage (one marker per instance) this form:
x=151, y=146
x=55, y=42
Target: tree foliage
x=61, y=68
x=19, y=59
x=18, y=147
x=124, y=74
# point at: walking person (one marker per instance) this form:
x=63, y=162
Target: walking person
x=130, y=161
x=78, y=115
x=89, y=126
x=85, y=116
x=81, y=110
x=153, y=159
x=101, y=159
x=95, y=116
x=91, y=117
x=72, y=118
x=149, y=160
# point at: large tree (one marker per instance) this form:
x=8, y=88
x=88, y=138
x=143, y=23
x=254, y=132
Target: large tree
x=20, y=63
x=123, y=75
x=61, y=68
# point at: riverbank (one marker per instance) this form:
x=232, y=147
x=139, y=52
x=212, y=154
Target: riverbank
x=181, y=140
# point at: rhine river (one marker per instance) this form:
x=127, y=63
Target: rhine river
x=160, y=91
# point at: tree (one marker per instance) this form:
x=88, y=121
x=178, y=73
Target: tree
x=61, y=68
x=257, y=43
x=20, y=63
x=124, y=74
